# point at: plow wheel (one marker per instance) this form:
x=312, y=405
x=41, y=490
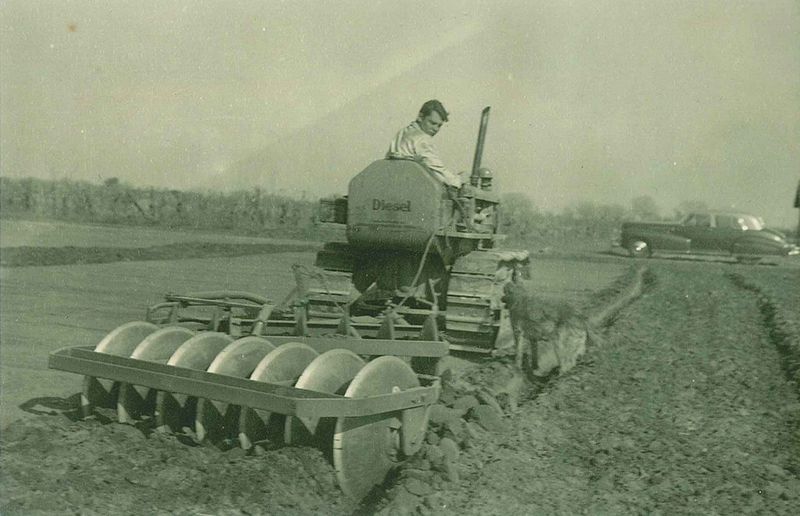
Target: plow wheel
x=121, y=341
x=331, y=372
x=174, y=411
x=216, y=420
x=283, y=365
x=366, y=448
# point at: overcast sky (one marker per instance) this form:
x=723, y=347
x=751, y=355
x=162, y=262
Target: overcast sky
x=591, y=100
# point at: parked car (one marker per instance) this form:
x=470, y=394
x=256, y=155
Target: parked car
x=741, y=235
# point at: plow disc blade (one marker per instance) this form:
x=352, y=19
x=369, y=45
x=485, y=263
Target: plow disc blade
x=284, y=365
x=121, y=341
x=331, y=372
x=216, y=420
x=133, y=401
x=174, y=411
x=366, y=448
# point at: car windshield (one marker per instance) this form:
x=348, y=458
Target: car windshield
x=750, y=222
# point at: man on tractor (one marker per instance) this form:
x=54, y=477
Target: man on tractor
x=415, y=142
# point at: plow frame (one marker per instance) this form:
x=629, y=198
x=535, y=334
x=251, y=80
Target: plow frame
x=239, y=313
x=273, y=397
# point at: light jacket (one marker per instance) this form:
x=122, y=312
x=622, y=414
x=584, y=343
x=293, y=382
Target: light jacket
x=413, y=143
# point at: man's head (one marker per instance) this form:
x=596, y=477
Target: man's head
x=431, y=117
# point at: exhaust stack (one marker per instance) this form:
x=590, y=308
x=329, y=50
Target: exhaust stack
x=476, y=162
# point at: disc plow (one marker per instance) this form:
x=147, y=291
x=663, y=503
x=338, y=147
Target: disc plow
x=221, y=379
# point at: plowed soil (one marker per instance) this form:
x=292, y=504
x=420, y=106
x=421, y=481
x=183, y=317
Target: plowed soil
x=687, y=405
x=683, y=410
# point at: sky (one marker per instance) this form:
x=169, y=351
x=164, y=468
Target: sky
x=600, y=101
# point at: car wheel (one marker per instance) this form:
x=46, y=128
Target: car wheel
x=639, y=249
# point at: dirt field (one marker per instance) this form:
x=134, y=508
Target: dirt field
x=687, y=406
x=18, y=233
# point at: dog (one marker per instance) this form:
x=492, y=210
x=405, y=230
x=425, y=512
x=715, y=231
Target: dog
x=550, y=334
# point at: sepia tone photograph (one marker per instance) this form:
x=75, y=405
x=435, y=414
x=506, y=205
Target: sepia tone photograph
x=300, y=257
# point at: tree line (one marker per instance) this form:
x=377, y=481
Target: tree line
x=114, y=202
x=255, y=211
x=522, y=220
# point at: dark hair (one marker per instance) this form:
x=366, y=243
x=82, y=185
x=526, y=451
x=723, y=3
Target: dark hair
x=431, y=106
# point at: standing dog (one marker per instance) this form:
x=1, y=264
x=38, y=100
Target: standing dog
x=556, y=333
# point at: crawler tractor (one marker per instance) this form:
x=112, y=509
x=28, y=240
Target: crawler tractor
x=414, y=249
x=350, y=360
